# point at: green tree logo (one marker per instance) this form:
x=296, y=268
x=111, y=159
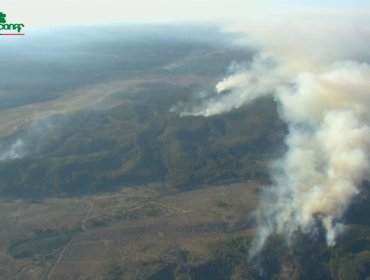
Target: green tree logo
x=2, y=17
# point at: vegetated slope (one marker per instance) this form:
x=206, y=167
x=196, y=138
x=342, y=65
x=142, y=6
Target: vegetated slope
x=39, y=69
x=307, y=257
x=140, y=141
x=135, y=139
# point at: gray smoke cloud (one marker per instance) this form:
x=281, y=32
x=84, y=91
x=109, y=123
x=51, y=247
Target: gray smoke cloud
x=327, y=157
x=28, y=142
x=16, y=150
x=328, y=117
x=246, y=83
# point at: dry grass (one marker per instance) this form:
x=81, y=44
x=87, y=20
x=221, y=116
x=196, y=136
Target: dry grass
x=92, y=96
x=129, y=229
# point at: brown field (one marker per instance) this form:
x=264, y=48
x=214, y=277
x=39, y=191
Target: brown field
x=136, y=229
x=92, y=96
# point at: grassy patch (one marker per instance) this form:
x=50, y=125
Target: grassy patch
x=41, y=244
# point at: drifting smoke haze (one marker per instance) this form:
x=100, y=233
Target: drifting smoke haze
x=327, y=157
x=322, y=90
x=29, y=142
x=16, y=150
x=239, y=88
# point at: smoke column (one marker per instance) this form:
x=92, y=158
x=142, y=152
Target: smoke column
x=327, y=158
x=328, y=153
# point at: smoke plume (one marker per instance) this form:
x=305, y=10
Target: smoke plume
x=16, y=150
x=29, y=141
x=246, y=83
x=326, y=109
x=327, y=157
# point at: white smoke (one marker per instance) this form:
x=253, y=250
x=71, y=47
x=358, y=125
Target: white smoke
x=328, y=117
x=315, y=74
x=16, y=150
x=244, y=85
x=30, y=141
x=328, y=152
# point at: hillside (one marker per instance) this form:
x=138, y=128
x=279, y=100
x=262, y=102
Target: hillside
x=140, y=142
x=102, y=119
x=101, y=180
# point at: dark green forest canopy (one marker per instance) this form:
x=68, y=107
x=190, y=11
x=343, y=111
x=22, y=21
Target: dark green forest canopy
x=139, y=140
x=142, y=142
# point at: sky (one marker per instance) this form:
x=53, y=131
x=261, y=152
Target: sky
x=38, y=13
